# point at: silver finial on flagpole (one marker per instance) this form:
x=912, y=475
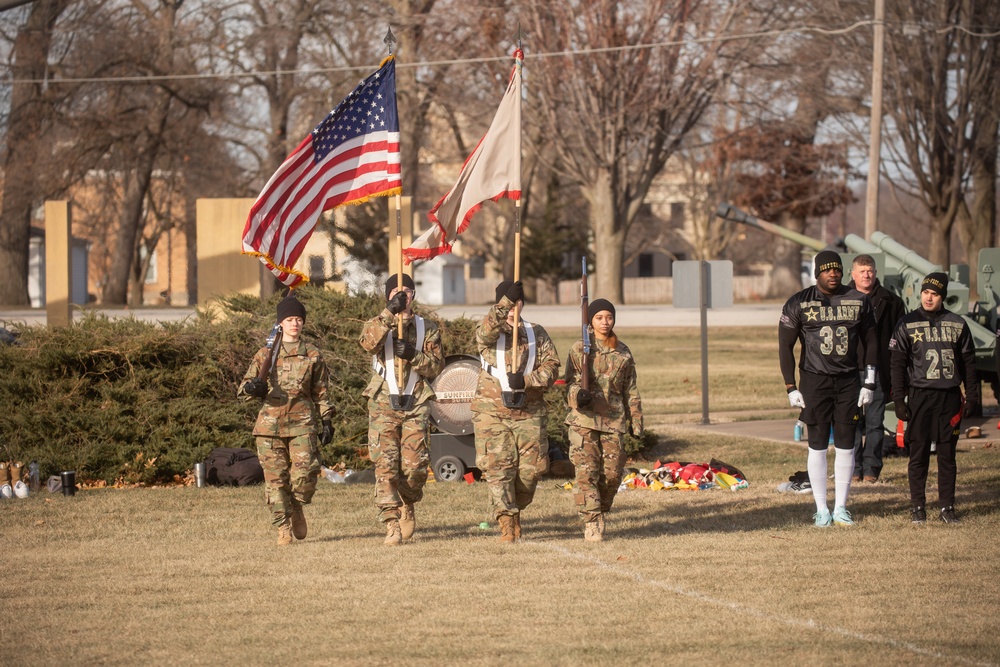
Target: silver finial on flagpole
x=389, y=39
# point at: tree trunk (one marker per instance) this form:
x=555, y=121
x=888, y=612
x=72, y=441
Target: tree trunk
x=116, y=286
x=25, y=139
x=609, y=241
x=786, y=273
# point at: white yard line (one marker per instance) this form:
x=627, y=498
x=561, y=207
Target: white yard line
x=745, y=610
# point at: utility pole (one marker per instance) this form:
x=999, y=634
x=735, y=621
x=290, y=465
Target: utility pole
x=875, y=136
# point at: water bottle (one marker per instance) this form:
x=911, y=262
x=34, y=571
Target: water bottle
x=34, y=482
x=798, y=431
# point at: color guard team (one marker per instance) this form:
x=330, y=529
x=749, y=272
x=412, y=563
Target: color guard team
x=842, y=379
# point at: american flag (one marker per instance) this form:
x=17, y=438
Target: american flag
x=351, y=156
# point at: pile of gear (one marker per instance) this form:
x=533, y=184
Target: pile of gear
x=14, y=481
x=684, y=476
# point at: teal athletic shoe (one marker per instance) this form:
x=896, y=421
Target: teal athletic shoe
x=842, y=517
x=821, y=519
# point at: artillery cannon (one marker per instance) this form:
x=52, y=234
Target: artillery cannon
x=902, y=271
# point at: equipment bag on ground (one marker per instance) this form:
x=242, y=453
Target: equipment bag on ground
x=233, y=466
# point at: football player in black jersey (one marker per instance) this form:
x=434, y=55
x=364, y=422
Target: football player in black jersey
x=932, y=353
x=829, y=320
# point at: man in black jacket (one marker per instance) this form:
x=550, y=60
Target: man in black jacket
x=888, y=309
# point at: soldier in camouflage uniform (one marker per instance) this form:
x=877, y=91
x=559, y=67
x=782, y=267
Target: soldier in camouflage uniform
x=398, y=435
x=599, y=418
x=511, y=444
x=295, y=394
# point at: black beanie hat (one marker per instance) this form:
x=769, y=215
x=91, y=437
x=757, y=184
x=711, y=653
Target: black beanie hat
x=393, y=280
x=597, y=305
x=502, y=288
x=826, y=260
x=290, y=307
x=936, y=282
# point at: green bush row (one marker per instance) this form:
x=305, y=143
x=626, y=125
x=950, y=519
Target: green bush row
x=132, y=401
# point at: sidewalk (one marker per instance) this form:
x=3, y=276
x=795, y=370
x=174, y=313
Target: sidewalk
x=550, y=317
x=782, y=430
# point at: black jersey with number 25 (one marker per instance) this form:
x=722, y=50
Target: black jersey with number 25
x=829, y=326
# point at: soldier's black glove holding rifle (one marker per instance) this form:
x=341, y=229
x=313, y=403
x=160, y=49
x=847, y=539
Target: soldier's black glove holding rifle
x=584, y=398
x=256, y=388
x=397, y=303
x=327, y=437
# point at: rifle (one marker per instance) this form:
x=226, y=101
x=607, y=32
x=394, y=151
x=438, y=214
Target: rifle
x=585, y=336
x=272, y=338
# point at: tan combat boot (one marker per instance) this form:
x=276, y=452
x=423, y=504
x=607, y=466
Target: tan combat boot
x=15, y=472
x=299, y=527
x=600, y=524
x=4, y=473
x=591, y=532
x=393, y=536
x=407, y=520
x=284, y=534
x=517, y=527
x=506, y=528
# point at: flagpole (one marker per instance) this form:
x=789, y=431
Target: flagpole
x=399, y=285
x=518, y=61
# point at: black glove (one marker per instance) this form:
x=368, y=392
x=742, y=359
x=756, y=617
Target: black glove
x=902, y=411
x=403, y=349
x=327, y=436
x=583, y=398
x=516, y=381
x=256, y=387
x=973, y=408
x=515, y=292
x=397, y=303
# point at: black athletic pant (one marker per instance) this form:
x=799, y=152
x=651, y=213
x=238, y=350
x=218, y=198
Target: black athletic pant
x=831, y=400
x=932, y=412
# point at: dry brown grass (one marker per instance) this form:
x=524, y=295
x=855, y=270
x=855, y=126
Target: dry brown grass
x=191, y=576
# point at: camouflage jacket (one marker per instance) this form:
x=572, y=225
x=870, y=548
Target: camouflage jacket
x=427, y=362
x=298, y=391
x=487, y=399
x=612, y=384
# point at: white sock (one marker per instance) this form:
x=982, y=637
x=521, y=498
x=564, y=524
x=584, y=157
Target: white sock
x=843, y=468
x=816, y=466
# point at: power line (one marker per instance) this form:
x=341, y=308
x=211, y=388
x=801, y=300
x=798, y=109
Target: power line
x=469, y=61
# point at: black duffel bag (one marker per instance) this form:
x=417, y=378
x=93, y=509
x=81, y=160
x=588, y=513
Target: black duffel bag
x=233, y=466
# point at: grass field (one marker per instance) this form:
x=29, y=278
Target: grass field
x=192, y=576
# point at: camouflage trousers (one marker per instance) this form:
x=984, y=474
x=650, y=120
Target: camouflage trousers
x=599, y=459
x=398, y=446
x=512, y=454
x=291, y=467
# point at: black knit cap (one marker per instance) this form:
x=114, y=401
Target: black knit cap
x=502, y=288
x=936, y=282
x=826, y=260
x=597, y=305
x=393, y=280
x=291, y=307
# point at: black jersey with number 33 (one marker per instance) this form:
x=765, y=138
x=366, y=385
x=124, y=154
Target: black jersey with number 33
x=829, y=328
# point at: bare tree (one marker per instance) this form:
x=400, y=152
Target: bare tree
x=932, y=70
x=27, y=120
x=617, y=114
